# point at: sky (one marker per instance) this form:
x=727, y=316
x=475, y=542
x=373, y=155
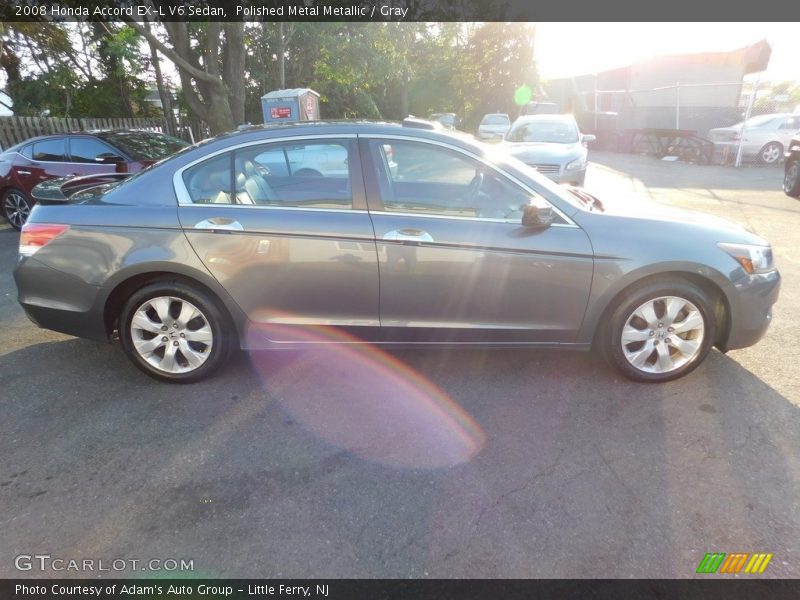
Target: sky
x=566, y=49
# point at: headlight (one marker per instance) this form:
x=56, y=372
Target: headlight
x=575, y=165
x=753, y=259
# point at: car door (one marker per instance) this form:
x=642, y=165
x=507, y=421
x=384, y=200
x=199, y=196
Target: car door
x=296, y=251
x=86, y=156
x=456, y=264
x=44, y=159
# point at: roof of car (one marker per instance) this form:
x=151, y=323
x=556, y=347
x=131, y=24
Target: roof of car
x=89, y=133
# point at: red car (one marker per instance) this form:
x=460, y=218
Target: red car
x=82, y=153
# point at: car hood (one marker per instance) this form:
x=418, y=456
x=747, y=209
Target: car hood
x=657, y=213
x=542, y=151
x=495, y=128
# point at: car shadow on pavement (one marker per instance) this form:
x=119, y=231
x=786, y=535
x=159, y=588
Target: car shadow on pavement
x=402, y=464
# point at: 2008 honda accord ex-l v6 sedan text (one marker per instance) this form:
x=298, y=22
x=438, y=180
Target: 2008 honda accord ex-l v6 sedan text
x=296, y=236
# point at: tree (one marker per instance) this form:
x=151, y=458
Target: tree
x=210, y=59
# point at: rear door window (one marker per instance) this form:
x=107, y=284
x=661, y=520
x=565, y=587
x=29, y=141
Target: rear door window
x=49, y=150
x=86, y=149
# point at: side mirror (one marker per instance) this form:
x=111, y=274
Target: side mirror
x=588, y=138
x=107, y=158
x=537, y=214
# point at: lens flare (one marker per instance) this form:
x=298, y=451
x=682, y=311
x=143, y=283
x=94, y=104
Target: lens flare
x=359, y=398
x=522, y=95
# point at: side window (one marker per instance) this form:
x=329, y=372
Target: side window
x=209, y=182
x=85, y=150
x=49, y=150
x=416, y=177
x=26, y=151
x=792, y=123
x=303, y=174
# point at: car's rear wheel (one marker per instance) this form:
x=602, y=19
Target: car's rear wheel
x=770, y=153
x=16, y=208
x=174, y=332
x=660, y=331
x=791, y=179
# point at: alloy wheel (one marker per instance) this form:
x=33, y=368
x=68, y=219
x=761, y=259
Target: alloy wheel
x=663, y=334
x=171, y=334
x=16, y=209
x=771, y=153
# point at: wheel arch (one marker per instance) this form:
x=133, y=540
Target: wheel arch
x=719, y=300
x=128, y=283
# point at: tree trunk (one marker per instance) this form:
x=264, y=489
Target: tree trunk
x=163, y=93
x=281, y=52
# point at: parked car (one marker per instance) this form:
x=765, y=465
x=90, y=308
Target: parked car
x=791, y=170
x=448, y=120
x=493, y=126
x=461, y=246
x=551, y=144
x=540, y=108
x=27, y=164
x=765, y=137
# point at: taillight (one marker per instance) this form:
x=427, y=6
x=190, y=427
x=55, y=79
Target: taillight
x=37, y=235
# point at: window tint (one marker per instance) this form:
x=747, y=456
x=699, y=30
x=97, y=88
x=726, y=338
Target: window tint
x=49, y=150
x=305, y=174
x=209, y=182
x=144, y=145
x=27, y=151
x=85, y=149
x=426, y=179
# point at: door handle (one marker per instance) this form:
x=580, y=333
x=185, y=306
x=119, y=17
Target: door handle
x=220, y=224
x=414, y=236
x=24, y=172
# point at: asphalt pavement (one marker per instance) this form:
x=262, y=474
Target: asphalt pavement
x=363, y=463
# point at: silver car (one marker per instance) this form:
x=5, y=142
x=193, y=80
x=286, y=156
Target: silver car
x=493, y=126
x=460, y=245
x=551, y=144
x=765, y=137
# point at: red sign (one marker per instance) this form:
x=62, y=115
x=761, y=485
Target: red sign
x=280, y=112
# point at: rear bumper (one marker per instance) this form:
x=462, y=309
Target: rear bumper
x=751, y=314
x=78, y=310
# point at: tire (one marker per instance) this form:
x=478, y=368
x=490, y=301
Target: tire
x=169, y=348
x=16, y=207
x=652, y=352
x=771, y=153
x=791, y=179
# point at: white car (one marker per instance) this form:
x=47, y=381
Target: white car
x=765, y=137
x=494, y=126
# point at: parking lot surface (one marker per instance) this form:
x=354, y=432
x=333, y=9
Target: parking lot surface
x=365, y=463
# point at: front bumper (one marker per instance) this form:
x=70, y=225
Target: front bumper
x=751, y=309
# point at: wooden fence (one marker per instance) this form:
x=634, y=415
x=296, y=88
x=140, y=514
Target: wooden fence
x=18, y=129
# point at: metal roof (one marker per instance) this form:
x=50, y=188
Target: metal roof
x=293, y=93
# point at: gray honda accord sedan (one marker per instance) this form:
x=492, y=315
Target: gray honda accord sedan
x=227, y=244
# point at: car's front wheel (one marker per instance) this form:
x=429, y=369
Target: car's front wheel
x=660, y=331
x=771, y=153
x=16, y=208
x=174, y=332
x=791, y=179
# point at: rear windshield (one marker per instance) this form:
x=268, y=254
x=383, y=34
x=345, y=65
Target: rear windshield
x=142, y=145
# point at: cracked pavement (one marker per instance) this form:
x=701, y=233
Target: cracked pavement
x=461, y=464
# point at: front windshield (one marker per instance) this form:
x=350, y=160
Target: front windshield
x=550, y=131
x=759, y=121
x=495, y=120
